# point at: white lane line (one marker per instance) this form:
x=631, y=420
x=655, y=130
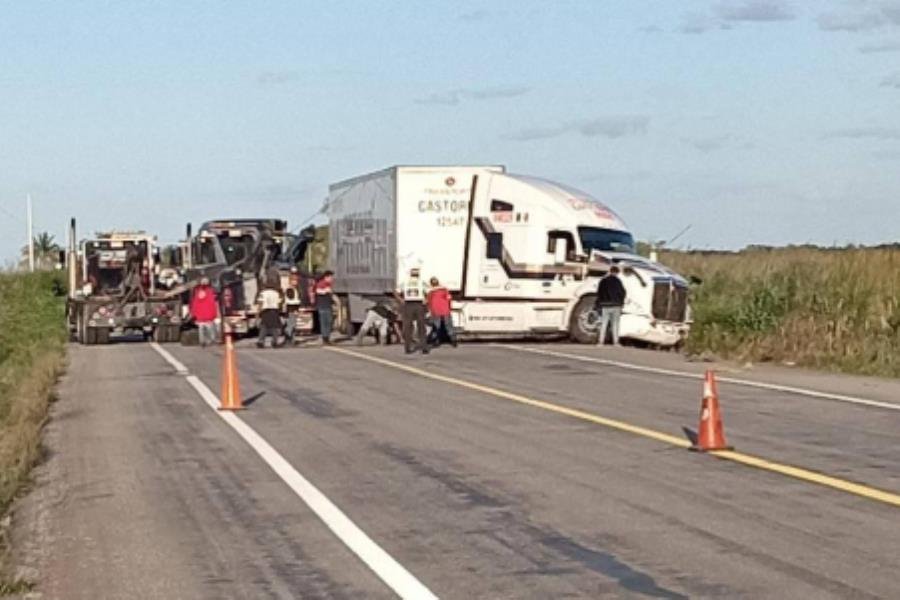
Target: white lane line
x=391, y=572
x=176, y=364
x=684, y=374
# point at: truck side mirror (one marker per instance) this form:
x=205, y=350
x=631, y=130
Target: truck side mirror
x=560, y=251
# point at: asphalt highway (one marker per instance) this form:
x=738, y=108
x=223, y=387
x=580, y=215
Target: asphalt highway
x=487, y=471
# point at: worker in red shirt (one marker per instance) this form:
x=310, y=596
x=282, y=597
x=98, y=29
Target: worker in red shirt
x=438, y=301
x=204, y=309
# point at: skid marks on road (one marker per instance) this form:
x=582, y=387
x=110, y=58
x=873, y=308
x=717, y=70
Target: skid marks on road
x=534, y=549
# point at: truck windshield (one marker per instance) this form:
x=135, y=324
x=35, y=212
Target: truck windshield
x=236, y=249
x=605, y=240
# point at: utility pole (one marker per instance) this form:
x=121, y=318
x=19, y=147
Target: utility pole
x=30, y=234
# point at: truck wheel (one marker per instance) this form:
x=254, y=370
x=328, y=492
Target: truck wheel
x=581, y=323
x=343, y=324
x=191, y=337
x=102, y=335
x=174, y=333
x=79, y=329
x=89, y=336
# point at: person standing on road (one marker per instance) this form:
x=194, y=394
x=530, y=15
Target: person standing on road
x=412, y=294
x=439, y=308
x=292, y=305
x=204, y=309
x=325, y=305
x=610, y=300
x=269, y=315
x=380, y=320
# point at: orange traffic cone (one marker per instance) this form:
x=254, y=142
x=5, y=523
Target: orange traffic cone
x=710, y=434
x=231, y=387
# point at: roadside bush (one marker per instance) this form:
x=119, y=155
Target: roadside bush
x=32, y=342
x=835, y=309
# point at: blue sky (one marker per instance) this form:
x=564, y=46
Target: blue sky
x=753, y=121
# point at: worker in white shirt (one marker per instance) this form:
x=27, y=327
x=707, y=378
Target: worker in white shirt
x=269, y=316
x=412, y=295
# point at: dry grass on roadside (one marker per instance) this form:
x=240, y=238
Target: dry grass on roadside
x=32, y=342
x=836, y=309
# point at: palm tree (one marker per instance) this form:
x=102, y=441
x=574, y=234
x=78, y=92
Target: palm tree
x=46, y=251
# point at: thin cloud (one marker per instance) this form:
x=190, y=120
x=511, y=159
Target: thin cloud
x=759, y=11
x=716, y=142
x=475, y=15
x=892, y=81
x=454, y=97
x=880, y=47
x=609, y=127
x=726, y=15
x=496, y=92
x=277, y=77
x=650, y=29
x=697, y=23
x=860, y=133
x=451, y=98
x=852, y=22
x=863, y=15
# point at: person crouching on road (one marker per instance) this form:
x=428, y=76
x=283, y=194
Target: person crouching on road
x=204, y=309
x=412, y=294
x=325, y=305
x=610, y=300
x=269, y=316
x=380, y=321
x=439, y=309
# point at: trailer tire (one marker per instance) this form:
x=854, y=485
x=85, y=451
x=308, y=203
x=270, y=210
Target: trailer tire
x=579, y=327
x=343, y=323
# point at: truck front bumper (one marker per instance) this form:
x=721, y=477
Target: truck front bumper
x=653, y=331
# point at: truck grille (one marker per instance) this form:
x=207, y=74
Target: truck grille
x=669, y=301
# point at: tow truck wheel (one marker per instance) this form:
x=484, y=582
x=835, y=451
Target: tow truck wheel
x=164, y=334
x=79, y=329
x=102, y=335
x=581, y=323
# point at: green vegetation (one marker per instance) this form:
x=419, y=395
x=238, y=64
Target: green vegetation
x=836, y=309
x=32, y=342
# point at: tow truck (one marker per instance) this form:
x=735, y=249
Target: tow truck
x=113, y=289
x=240, y=256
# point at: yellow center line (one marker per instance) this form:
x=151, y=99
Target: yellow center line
x=738, y=457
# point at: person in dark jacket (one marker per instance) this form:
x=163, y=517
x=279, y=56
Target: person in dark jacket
x=324, y=305
x=610, y=300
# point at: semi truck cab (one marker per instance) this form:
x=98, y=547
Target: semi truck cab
x=545, y=241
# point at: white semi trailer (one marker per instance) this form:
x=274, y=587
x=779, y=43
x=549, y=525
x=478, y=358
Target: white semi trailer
x=522, y=256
